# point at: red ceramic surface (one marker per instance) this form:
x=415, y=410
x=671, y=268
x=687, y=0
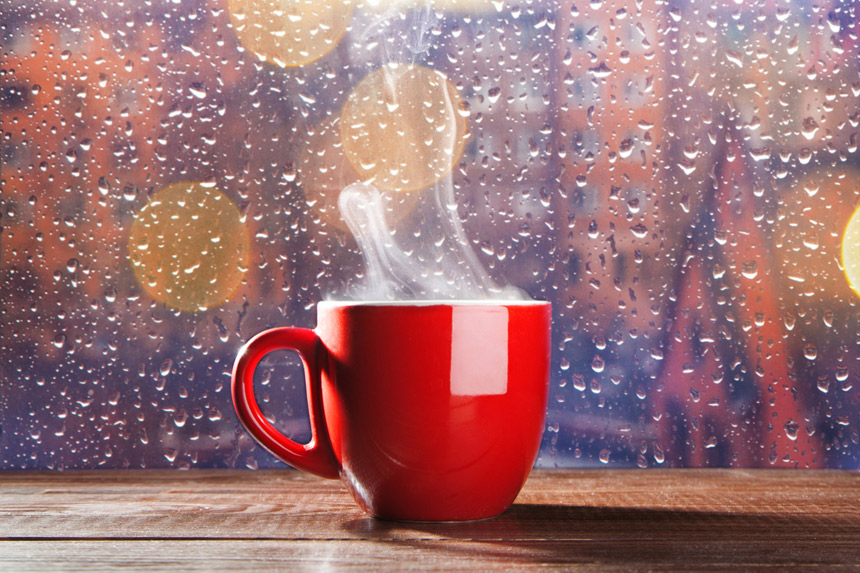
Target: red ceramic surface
x=427, y=411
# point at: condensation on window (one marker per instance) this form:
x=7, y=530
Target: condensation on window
x=679, y=179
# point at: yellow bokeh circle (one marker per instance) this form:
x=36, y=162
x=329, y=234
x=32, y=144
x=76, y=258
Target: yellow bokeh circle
x=403, y=127
x=290, y=32
x=462, y=6
x=810, y=235
x=189, y=247
x=851, y=251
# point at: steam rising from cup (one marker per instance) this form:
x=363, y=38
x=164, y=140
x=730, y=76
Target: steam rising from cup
x=403, y=129
x=435, y=269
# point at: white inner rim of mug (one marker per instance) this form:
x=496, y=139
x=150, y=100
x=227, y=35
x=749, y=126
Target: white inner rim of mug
x=434, y=302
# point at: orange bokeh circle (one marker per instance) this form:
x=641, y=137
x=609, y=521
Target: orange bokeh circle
x=189, y=247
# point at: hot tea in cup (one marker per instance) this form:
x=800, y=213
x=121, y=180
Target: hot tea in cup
x=427, y=410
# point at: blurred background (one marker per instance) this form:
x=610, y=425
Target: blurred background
x=678, y=178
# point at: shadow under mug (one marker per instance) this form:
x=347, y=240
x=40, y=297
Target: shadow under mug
x=428, y=411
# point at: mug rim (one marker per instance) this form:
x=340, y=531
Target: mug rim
x=432, y=302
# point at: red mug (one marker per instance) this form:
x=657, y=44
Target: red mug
x=428, y=411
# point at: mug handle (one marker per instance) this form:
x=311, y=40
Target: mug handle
x=317, y=456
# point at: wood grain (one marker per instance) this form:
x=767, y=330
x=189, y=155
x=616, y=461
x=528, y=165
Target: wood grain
x=601, y=519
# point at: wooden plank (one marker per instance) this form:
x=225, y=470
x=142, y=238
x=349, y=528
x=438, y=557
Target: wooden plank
x=448, y=554
x=589, y=518
x=288, y=504
x=276, y=504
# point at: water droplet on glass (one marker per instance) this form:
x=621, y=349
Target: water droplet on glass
x=659, y=455
x=464, y=108
x=103, y=186
x=749, y=269
x=809, y=128
x=601, y=71
x=198, y=90
x=735, y=58
x=791, y=428
x=626, y=148
x=761, y=153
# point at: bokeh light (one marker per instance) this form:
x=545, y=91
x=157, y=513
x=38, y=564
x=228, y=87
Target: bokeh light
x=851, y=251
x=812, y=214
x=465, y=6
x=290, y=33
x=189, y=247
x=403, y=127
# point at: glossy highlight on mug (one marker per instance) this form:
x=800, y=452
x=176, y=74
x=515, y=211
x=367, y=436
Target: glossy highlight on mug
x=428, y=411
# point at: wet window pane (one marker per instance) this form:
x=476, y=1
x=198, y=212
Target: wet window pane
x=679, y=179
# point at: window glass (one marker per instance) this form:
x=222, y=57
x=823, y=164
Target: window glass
x=679, y=179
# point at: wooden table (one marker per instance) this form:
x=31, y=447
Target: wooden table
x=591, y=519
